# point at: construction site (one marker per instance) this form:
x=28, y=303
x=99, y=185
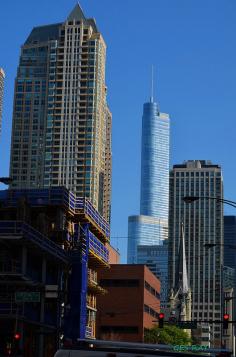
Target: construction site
x=51, y=245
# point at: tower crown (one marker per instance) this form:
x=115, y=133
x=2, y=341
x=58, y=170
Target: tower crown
x=76, y=14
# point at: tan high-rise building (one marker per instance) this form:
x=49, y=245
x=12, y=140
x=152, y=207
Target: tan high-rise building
x=202, y=221
x=2, y=76
x=61, y=123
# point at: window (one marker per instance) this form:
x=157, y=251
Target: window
x=116, y=283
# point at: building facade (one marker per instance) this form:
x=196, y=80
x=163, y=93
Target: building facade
x=51, y=245
x=131, y=304
x=150, y=228
x=154, y=198
x=229, y=251
x=155, y=257
x=61, y=134
x=2, y=76
x=203, y=223
x=145, y=231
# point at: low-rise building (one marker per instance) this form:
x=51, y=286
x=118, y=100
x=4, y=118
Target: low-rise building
x=131, y=302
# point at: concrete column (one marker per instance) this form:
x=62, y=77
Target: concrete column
x=24, y=260
x=42, y=303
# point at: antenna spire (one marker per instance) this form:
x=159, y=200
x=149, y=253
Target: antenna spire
x=151, y=98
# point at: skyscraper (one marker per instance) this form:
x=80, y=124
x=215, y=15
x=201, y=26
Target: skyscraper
x=154, y=162
x=230, y=239
x=203, y=223
x=150, y=228
x=2, y=76
x=229, y=252
x=61, y=133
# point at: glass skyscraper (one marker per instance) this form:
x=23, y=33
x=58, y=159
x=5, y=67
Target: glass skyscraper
x=61, y=134
x=144, y=230
x=154, y=162
x=150, y=228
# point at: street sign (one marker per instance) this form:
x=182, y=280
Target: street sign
x=25, y=296
x=187, y=324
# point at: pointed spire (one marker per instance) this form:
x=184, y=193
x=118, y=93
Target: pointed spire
x=183, y=276
x=76, y=13
x=151, y=98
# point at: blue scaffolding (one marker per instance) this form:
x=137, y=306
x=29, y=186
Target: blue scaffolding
x=90, y=233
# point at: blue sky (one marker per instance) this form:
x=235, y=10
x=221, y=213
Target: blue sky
x=192, y=47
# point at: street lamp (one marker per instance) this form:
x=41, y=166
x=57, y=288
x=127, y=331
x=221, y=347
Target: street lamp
x=211, y=245
x=191, y=199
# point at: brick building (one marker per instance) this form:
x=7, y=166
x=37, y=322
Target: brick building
x=131, y=304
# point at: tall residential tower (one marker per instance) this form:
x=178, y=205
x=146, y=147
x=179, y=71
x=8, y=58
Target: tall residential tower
x=61, y=132
x=150, y=228
x=2, y=76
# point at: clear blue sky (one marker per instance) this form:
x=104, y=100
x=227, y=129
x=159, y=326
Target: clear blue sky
x=192, y=46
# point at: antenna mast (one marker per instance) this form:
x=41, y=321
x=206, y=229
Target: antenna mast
x=151, y=98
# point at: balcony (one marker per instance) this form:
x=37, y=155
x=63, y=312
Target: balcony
x=10, y=230
x=98, y=252
x=59, y=196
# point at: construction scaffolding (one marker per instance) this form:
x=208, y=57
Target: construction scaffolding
x=50, y=239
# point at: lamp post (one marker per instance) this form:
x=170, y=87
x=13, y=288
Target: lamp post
x=192, y=199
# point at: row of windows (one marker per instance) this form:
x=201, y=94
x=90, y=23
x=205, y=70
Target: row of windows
x=119, y=283
x=150, y=311
x=192, y=174
x=151, y=290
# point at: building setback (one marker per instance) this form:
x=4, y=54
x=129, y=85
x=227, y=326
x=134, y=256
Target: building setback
x=131, y=304
x=61, y=133
x=2, y=76
x=155, y=257
x=203, y=223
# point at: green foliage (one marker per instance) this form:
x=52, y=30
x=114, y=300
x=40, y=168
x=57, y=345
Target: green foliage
x=168, y=335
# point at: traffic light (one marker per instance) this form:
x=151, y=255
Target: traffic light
x=225, y=321
x=16, y=343
x=161, y=319
x=17, y=336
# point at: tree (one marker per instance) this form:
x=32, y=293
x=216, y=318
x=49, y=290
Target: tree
x=168, y=335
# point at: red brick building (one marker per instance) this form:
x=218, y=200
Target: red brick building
x=114, y=255
x=131, y=304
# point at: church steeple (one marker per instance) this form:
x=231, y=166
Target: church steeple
x=182, y=280
x=180, y=296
